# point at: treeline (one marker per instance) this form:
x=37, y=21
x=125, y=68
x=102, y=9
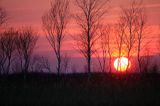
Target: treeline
x=128, y=37
x=16, y=49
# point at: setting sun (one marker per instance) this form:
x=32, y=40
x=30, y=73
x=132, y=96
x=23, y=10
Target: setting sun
x=120, y=64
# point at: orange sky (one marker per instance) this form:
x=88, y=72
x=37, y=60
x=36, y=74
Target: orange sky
x=29, y=12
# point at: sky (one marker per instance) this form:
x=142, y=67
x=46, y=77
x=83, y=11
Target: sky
x=29, y=13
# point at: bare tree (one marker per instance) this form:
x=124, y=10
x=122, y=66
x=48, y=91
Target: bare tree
x=146, y=61
x=141, y=32
x=2, y=57
x=119, y=39
x=66, y=62
x=132, y=17
x=3, y=18
x=55, y=23
x=109, y=48
x=134, y=20
x=88, y=19
x=7, y=46
x=40, y=64
x=105, y=48
x=45, y=64
x=25, y=44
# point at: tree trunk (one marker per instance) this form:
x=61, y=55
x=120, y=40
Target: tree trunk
x=89, y=56
x=139, y=63
x=110, y=70
x=59, y=57
x=128, y=56
x=8, y=67
x=26, y=65
x=89, y=64
x=59, y=66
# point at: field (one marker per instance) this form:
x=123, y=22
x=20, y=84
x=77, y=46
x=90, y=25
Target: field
x=79, y=89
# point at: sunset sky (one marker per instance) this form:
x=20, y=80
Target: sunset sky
x=29, y=13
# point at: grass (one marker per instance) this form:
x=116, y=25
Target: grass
x=78, y=89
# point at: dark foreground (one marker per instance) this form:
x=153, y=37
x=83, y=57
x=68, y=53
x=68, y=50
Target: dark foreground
x=78, y=89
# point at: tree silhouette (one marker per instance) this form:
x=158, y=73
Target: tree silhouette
x=105, y=47
x=146, y=61
x=141, y=33
x=7, y=48
x=55, y=23
x=25, y=44
x=66, y=62
x=40, y=64
x=88, y=19
x=119, y=39
x=132, y=25
x=108, y=44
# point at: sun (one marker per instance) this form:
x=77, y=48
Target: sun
x=120, y=64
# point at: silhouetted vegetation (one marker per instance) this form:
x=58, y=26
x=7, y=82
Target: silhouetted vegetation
x=29, y=78
x=7, y=48
x=17, y=45
x=25, y=44
x=133, y=89
x=89, y=21
x=105, y=47
x=55, y=23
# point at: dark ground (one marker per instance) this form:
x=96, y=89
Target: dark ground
x=78, y=89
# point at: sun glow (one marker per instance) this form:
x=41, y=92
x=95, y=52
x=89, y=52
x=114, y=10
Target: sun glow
x=121, y=64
